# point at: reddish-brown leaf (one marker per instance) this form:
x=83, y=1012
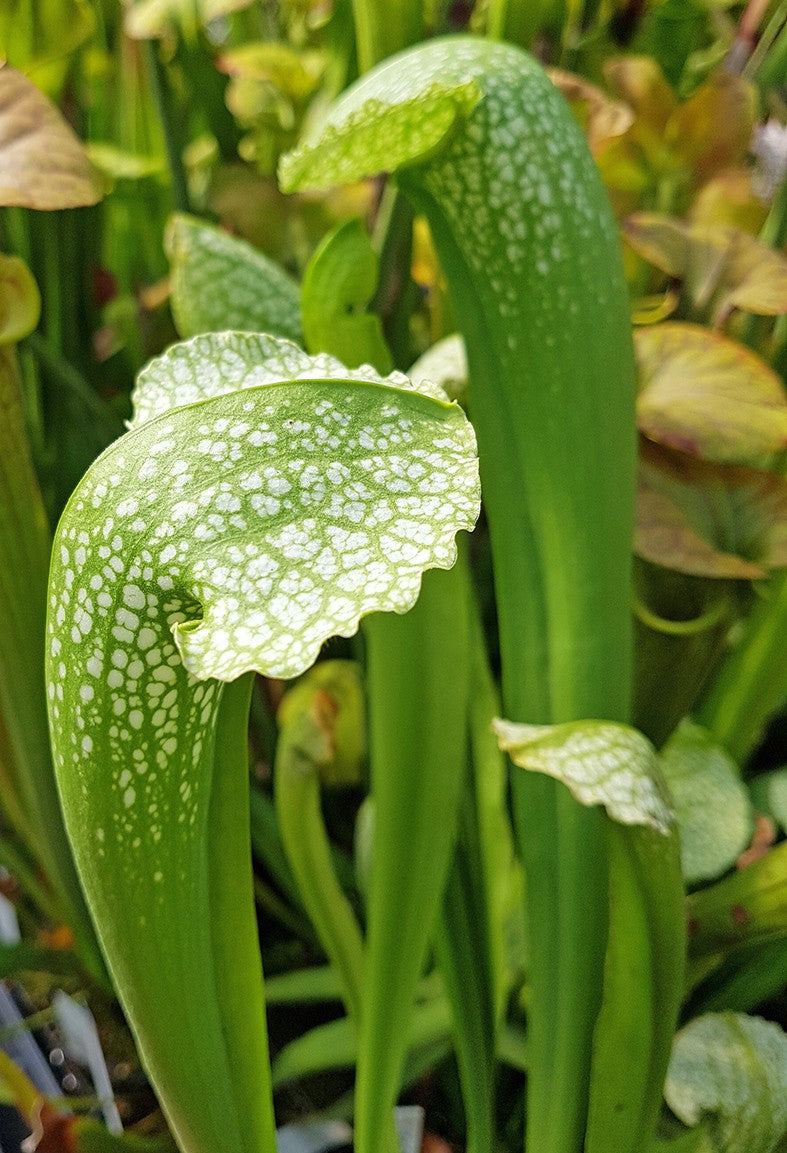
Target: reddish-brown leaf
x=709, y=519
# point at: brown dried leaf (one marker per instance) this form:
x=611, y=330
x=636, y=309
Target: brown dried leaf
x=709, y=519
x=716, y=263
x=708, y=395
x=603, y=119
x=42, y=163
x=640, y=83
x=711, y=130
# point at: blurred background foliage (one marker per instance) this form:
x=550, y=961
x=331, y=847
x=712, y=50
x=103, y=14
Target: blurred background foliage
x=114, y=117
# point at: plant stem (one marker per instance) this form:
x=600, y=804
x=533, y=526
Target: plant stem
x=382, y=30
x=236, y=950
x=516, y=21
x=304, y=744
x=752, y=683
x=463, y=956
x=417, y=735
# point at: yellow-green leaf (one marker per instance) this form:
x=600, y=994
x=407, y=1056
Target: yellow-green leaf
x=639, y=81
x=151, y=19
x=117, y=164
x=295, y=74
x=654, y=308
x=378, y=136
x=341, y=680
x=729, y=199
x=42, y=163
x=708, y=395
x=20, y=300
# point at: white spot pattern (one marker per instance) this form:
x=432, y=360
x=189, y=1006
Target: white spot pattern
x=520, y=215
x=237, y=533
x=220, y=281
x=602, y=763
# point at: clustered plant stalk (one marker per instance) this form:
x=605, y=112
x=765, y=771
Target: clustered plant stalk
x=279, y=486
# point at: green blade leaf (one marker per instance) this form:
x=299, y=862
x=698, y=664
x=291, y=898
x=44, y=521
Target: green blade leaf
x=732, y=1070
x=712, y=805
x=338, y=284
x=601, y=762
x=335, y=1044
x=526, y=239
x=235, y=531
x=220, y=282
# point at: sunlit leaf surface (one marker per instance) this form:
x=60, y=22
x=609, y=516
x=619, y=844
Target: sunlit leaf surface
x=150, y=19
x=601, y=763
x=732, y=1070
x=707, y=395
x=42, y=163
x=712, y=805
x=379, y=136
